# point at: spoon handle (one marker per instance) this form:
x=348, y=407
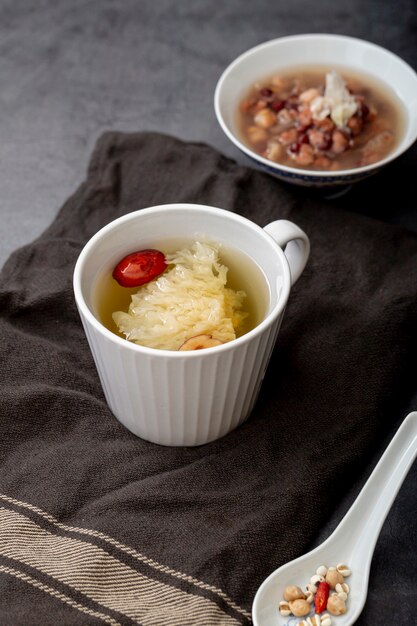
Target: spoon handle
x=365, y=518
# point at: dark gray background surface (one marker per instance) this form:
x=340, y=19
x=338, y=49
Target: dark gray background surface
x=70, y=70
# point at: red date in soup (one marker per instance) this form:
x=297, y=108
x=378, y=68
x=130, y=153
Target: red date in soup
x=321, y=119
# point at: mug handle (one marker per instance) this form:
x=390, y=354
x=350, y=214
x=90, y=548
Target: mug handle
x=294, y=242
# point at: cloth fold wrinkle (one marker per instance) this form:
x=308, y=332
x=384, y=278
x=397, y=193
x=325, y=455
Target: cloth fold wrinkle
x=224, y=515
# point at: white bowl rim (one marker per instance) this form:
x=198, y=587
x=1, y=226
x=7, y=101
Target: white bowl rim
x=300, y=172
x=276, y=310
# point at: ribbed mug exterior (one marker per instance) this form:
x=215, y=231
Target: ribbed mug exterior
x=194, y=397
x=138, y=387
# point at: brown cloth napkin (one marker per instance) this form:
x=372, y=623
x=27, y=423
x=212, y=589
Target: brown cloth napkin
x=97, y=525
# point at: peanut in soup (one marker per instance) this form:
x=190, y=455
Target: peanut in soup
x=318, y=120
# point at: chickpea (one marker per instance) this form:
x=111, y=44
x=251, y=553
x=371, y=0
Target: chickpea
x=300, y=607
x=308, y=95
x=355, y=124
x=274, y=151
x=305, y=116
x=259, y=105
x=318, y=139
x=265, y=118
x=335, y=605
x=288, y=136
x=305, y=155
x=325, y=125
x=339, y=142
x=284, y=117
x=333, y=577
x=256, y=134
x=292, y=592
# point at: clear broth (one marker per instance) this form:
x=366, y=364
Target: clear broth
x=244, y=274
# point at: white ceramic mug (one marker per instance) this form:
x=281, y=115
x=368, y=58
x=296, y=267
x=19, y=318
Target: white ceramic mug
x=187, y=398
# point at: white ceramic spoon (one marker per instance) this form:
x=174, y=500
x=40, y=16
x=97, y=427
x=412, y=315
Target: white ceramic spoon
x=352, y=542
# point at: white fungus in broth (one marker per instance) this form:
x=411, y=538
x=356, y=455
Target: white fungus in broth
x=188, y=307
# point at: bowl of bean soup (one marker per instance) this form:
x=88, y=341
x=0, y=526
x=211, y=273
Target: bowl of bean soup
x=319, y=110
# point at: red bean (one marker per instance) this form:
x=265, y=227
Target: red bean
x=303, y=138
x=277, y=105
x=292, y=103
x=327, y=141
x=363, y=112
x=320, y=139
